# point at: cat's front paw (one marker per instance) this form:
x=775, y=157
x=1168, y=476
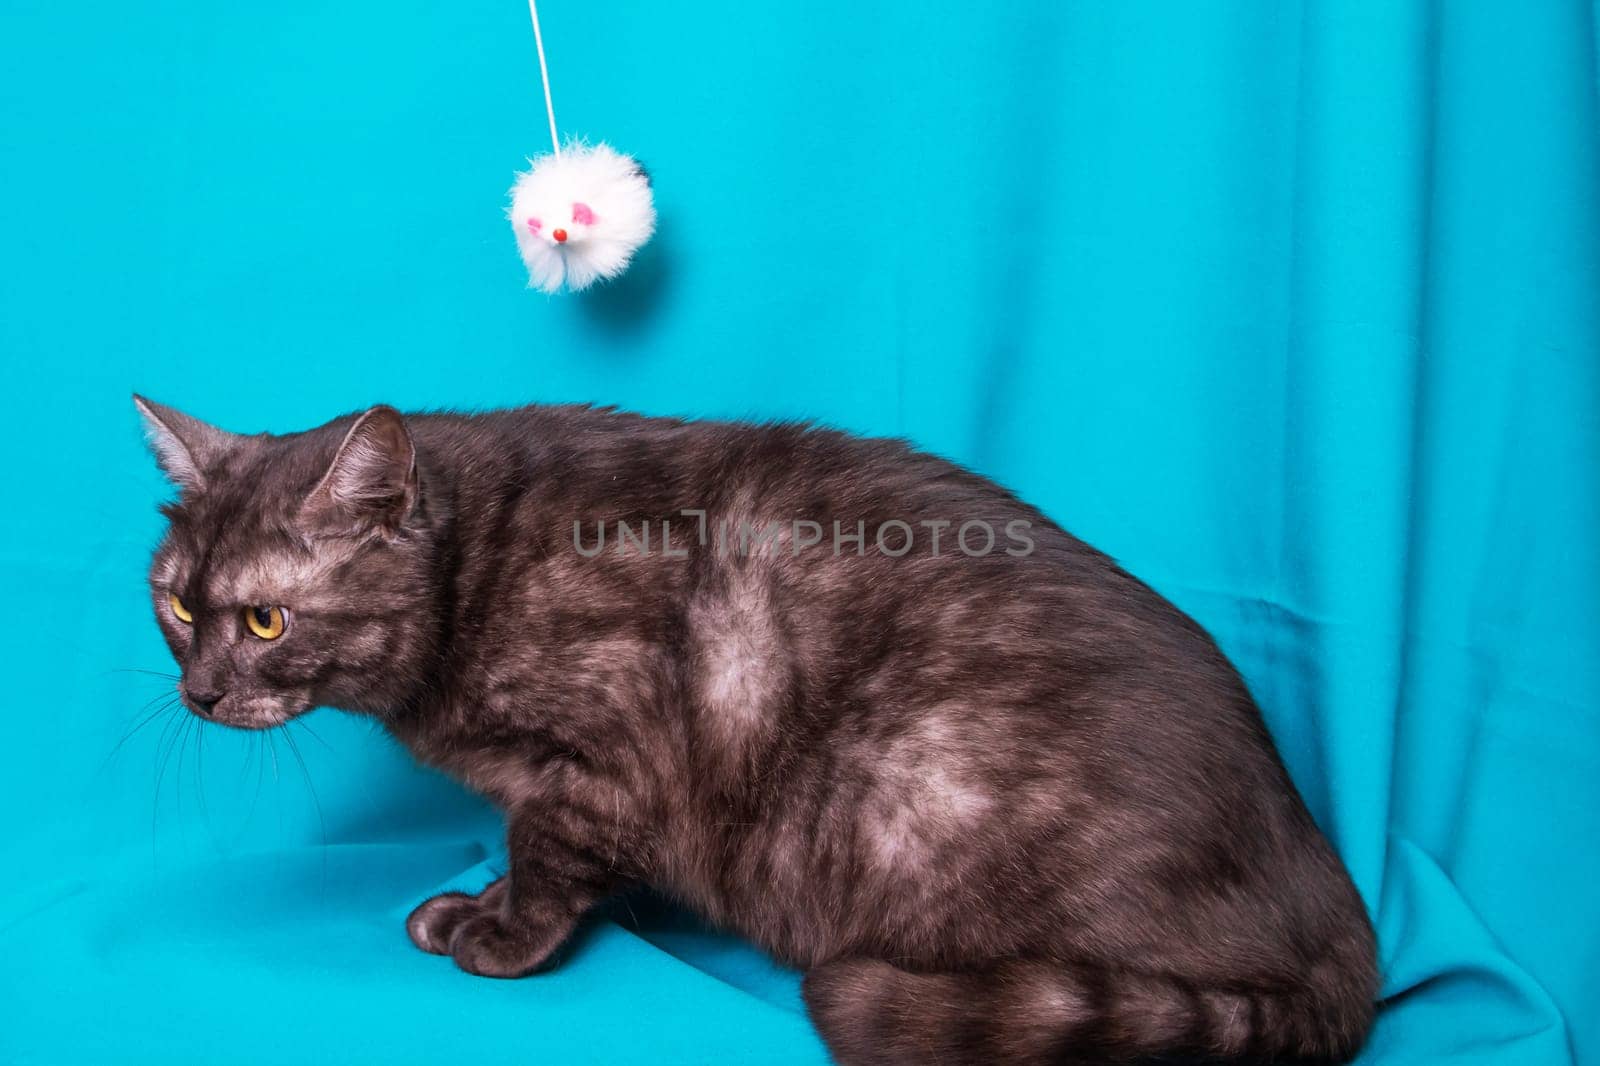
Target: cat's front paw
x=432, y=925
x=483, y=945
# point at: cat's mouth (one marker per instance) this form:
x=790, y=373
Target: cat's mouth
x=253, y=712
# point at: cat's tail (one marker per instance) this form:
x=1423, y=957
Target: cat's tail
x=874, y=1014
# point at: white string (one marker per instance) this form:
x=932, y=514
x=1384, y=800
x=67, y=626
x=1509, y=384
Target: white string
x=544, y=74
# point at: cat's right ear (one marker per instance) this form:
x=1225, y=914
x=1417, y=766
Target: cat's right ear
x=371, y=483
x=183, y=446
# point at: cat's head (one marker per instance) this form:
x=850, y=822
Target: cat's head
x=295, y=569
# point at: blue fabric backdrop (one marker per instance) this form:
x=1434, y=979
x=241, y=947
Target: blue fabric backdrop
x=1293, y=308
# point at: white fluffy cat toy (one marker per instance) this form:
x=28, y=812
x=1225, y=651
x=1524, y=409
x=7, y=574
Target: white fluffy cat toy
x=580, y=215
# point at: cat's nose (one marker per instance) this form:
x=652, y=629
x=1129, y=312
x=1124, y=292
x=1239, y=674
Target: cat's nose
x=202, y=700
x=560, y=235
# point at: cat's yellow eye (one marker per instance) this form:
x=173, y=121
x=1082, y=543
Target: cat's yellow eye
x=264, y=622
x=179, y=609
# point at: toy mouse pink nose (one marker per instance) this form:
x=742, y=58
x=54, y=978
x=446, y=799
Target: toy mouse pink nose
x=560, y=235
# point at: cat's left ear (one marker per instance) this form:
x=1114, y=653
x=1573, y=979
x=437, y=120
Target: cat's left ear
x=184, y=446
x=371, y=485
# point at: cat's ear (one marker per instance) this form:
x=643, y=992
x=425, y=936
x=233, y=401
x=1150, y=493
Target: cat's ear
x=183, y=446
x=371, y=483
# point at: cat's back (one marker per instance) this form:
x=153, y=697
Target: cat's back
x=845, y=541
x=622, y=459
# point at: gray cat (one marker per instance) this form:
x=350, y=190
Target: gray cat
x=999, y=800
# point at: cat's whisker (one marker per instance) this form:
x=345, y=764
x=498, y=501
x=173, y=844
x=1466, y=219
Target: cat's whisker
x=147, y=673
x=175, y=751
x=200, y=785
x=244, y=764
x=170, y=702
x=167, y=693
x=182, y=749
x=277, y=782
x=273, y=748
x=155, y=805
x=314, y=734
x=169, y=735
x=259, y=758
x=305, y=772
x=168, y=730
x=166, y=699
x=294, y=749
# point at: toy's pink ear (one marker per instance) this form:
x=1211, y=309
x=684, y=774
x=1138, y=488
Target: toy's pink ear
x=582, y=215
x=533, y=225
